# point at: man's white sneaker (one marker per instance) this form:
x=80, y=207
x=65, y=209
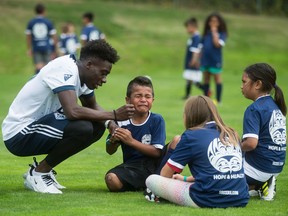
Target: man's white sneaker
x=52, y=173
x=268, y=189
x=42, y=183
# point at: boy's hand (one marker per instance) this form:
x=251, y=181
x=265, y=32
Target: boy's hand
x=125, y=112
x=123, y=135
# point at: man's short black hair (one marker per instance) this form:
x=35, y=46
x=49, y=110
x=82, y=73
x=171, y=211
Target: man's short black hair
x=141, y=81
x=99, y=49
x=89, y=16
x=39, y=8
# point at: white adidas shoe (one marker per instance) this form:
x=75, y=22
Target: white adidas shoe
x=268, y=189
x=52, y=173
x=41, y=183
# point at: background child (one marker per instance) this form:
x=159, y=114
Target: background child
x=89, y=31
x=215, y=163
x=38, y=33
x=192, y=73
x=264, y=129
x=142, y=139
x=214, y=36
x=68, y=42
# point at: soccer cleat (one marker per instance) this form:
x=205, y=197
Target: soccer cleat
x=40, y=183
x=268, y=189
x=52, y=173
x=150, y=196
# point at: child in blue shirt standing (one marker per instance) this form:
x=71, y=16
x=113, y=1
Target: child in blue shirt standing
x=68, y=41
x=192, y=73
x=264, y=129
x=89, y=31
x=214, y=36
x=212, y=151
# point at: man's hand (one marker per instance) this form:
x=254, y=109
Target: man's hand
x=125, y=112
x=112, y=127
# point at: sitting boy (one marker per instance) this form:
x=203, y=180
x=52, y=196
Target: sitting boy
x=142, y=139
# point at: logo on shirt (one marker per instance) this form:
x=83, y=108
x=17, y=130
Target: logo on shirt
x=59, y=116
x=67, y=76
x=146, y=139
x=277, y=128
x=224, y=158
x=40, y=31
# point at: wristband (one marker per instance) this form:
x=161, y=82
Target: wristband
x=185, y=178
x=107, y=123
x=115, y=117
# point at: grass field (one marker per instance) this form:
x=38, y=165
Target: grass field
x=150, y=40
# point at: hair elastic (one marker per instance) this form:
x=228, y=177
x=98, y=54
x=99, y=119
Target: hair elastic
x=275, y=85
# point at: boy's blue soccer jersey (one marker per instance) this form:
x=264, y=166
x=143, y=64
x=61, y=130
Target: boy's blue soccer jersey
x=211, y=55
x=151, y=132
x=264, y=121
x=90, y=32
x=40, y=28
x=192, y=47
x=68, y=44
x=217, y=168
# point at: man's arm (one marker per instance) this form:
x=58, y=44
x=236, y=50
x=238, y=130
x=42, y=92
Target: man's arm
x=90, y=102
x=125, y=136
x=74, y=111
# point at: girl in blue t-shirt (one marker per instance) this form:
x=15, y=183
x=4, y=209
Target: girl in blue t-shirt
x=212, y=151
x=214, y=36
x=264, y=129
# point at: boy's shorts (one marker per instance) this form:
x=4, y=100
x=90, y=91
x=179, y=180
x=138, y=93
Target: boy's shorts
x=134, y=174
x=212, y=70
x=192, y=75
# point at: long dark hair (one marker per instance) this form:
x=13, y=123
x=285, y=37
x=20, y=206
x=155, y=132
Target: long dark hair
x=267, y=75
x=222, y=24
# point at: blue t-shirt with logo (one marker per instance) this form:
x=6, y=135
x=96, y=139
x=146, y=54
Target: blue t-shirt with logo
x=90, y=32
x=264, y=121
x=211, y=55
x=41, y=29
x=217, y=168
x=151, y=132
x=192, y=47
x=68, y=44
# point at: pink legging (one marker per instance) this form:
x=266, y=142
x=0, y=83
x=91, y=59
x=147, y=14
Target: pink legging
x=175, y=191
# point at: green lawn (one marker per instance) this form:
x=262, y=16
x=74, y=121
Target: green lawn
x=150, y=41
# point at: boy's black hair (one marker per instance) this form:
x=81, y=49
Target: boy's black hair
x=89, y=16
x=99, y=49
x=267, y=75
x=222, y=24
x=191, y=21
x=140, y=80
x=39, y=8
